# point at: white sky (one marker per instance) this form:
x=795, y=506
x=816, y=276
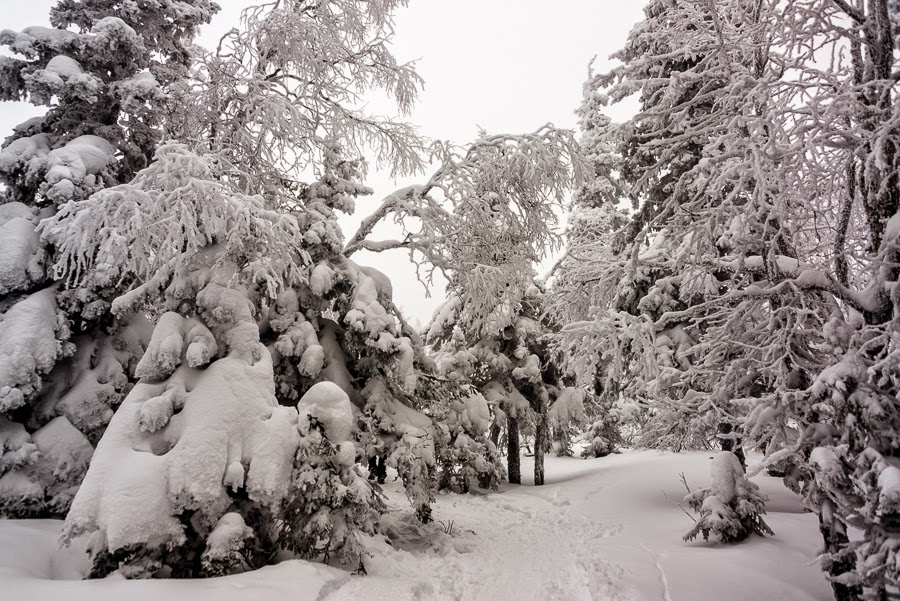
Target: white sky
x=508, y=66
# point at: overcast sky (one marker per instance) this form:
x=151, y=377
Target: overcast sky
x=507, y=66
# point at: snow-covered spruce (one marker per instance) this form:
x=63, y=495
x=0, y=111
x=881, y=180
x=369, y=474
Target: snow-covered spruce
x=507, y=361
x=65, y=363
x=731, y=509
x=329, y=503
x=189, y=445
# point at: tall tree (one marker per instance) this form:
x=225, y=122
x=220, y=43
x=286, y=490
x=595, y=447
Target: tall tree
x=247, y=284
x=102, y=71
x=765, y=249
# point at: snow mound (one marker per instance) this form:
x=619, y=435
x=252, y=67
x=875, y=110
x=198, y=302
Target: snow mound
x=21, y=254
x=28, y=347
x=331, y=406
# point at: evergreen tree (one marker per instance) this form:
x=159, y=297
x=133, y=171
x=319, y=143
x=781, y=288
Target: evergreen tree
x=511, y=365
x=102, y=71
x=755, y=300
x=732, y=507
x=249, y=280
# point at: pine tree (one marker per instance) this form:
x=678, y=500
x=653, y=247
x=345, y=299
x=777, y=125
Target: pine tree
x=512, y=366
x=248, y=282
x=732, y=507
x=756, y=293
x=65, y=362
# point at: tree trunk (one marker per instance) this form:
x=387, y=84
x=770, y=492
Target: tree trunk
x=732, y=443
x=495, y=434
x=540, y=440
x=840, y=561
x=512, y=453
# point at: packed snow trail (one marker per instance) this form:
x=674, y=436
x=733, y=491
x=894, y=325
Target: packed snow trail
x=599, y=530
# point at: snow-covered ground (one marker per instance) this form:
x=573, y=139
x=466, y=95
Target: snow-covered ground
x=599, y=530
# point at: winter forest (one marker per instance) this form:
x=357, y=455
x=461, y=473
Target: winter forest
x=664, y=362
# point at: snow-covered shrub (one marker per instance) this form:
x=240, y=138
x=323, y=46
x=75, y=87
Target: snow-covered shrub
x=564, y=416
x=467, y=456
x=731, y=509
x=329, y=503
x=226, y=546
x=366, y=348
x=188, y=444
x=600, y=438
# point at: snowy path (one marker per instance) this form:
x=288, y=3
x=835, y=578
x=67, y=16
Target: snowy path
x=599, y=530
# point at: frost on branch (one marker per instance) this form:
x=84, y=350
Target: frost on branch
x=128, y=232
x=484, y=217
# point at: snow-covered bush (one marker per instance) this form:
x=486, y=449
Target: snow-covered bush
x=467, y=456
x=731, y=509
x=601, y=439
x=188, y=444
x=227, y=547
x=564, y=416
x=329, y=503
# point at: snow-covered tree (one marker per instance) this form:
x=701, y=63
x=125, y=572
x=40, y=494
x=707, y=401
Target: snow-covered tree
x=511, y=365
x=696, y=161
x=731, y=509
x=246, y=258
x=484, y=217
x=575, y=294
x=102, y=71
x=754, y=293
x=851, y=171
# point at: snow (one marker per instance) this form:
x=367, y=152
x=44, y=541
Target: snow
x=63, y=66
x=600, y=529
x=366, y=314
x=227, y=537
x=152, y=463
x=28, y=347
x=21, y=255
x=32, y=567
x=64, y=457
x=331, y=406
x=76, y=163
x=321, y=280
x=31, y=151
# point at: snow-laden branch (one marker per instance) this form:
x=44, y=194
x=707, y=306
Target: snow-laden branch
x=486, y=214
